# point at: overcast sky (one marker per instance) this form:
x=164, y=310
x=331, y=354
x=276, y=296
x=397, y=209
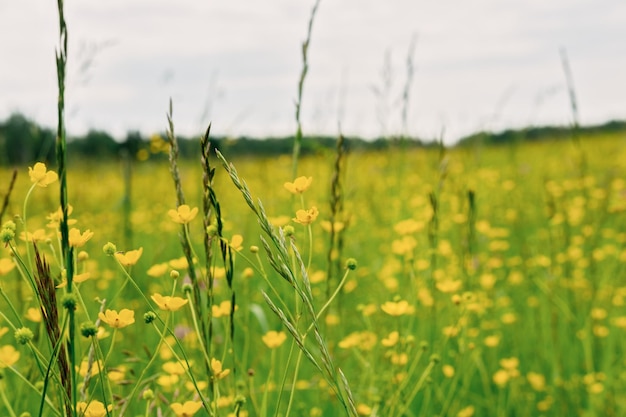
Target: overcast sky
x=481, y=64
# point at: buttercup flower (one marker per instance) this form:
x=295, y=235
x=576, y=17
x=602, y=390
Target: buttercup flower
x=158, y=270
x=130, y=257
x=95, y=369
x=299, y=185
x=8, y=356
x=92, y=409
x=336, y=226
x=274, y=339
x=218, y=370
x=77, y=279
x=222, y=309
x=391, y=340
x=235, y=242
x=40, y=176
x=179, y=263
x=78, y=239
x=6, y=265
x=54, y=218
x=33, y=314
x=174, y=368
x=183, y=214
x=399, y=308
x=188, y=409
x=117, y=320
x=165, y=302
x=306, y=216
x=38, y=235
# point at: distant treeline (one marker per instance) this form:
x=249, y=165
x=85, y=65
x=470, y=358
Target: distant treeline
x=537, y=133
x=22, y=141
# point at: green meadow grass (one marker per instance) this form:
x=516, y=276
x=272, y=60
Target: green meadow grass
x=488, y=282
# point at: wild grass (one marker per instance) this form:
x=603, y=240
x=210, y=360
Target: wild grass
x=411, y=283
x=517, y=306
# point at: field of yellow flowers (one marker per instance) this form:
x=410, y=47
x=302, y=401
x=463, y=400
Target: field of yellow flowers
x=463, y=282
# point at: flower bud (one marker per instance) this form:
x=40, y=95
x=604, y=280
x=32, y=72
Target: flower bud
x=88, y=329
x=109, y=248
x=211, y=230
x=289, y=230
x=23, y=335
x=351, y=264
x=149, y=317
x=69, y=301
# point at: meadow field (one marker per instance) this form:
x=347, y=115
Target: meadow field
x=474, y=281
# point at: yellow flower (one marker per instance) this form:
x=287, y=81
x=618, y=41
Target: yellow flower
x=364, y=410
x=117, y=374
x=306, y=216
x=174, y=368
x=158, y=270
x=130, y=257
x=183, y=214
x=202, y=385
x=235, y=242
x=335, y=227
x=299, y=185
x=537, y=381
x=54, y=218
x=274, y=339
x=363, y=340
x=168, y=381
x=501, y=377
x=77, y=279
x=33, y=314
x=222, y=310
x=218, y=371
x=466, y=412
x=179, y=263
x=40, y=177
x=509, y=363
x=168, y=303
x=188, y=409
x=38, y=235
x=409, y=226
x=449, y=285
x=492, y=341
x=117, y=320
x=399, y=308
x=95, y=369
x=78, y=239
x=92, y=409
x=448, y=371
x=8, y=356
x=279, y=221
x=6, y=265
x=391, y=340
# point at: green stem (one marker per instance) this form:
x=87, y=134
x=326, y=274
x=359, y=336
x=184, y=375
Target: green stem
x=30, y=191
x=332, y=297
x=293, y=384
x=5, y=400
x=196, y=327
x=270, y=374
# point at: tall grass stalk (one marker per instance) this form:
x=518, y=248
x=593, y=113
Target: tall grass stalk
x=7, y=196
x=305, y=68
x=69, y=380
x=573, y=101
x=335, y=239
x=296, y=275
